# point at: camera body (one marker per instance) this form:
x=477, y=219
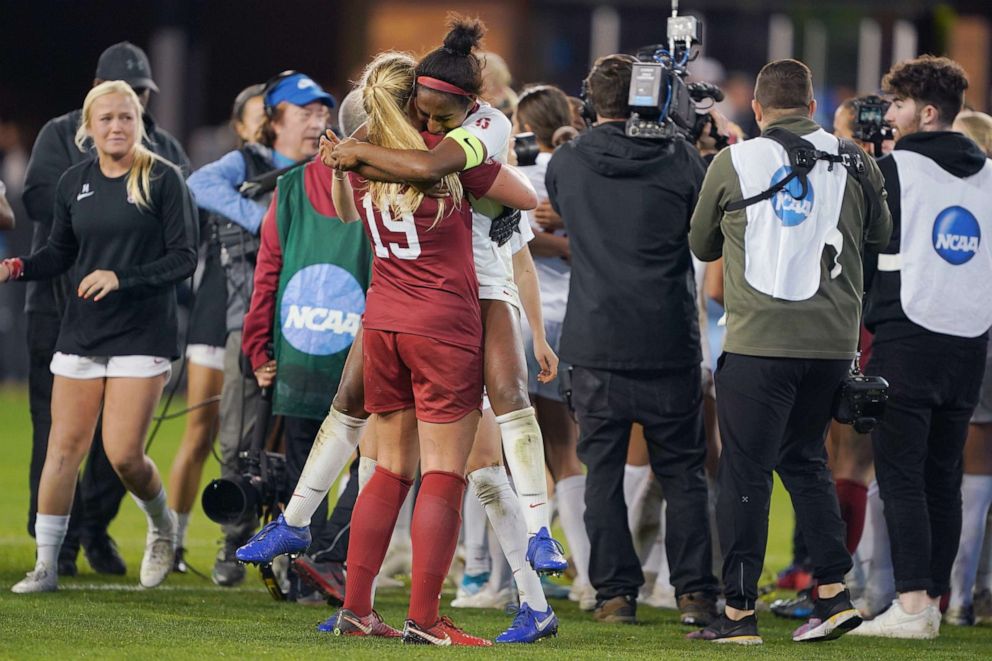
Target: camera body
x=260, y=485
x=860, y=401
x=869, y=121
x=662, y=105
x=525, y=149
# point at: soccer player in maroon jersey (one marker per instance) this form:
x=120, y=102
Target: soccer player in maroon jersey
x=422, y=358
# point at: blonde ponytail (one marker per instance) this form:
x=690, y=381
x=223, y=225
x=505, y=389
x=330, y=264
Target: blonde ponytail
x=386, y=88
x=139, y=176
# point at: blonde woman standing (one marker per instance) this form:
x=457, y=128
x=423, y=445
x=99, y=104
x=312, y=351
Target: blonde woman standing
x=124, y=230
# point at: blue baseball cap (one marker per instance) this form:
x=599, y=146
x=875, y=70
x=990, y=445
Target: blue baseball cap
x=298, y=89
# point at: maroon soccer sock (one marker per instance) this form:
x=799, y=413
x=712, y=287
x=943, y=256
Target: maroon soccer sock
x=372, y=523
x=853, y=498
x=434, y=533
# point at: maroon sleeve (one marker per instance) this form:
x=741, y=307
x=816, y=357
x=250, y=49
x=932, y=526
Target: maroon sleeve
x=479, y=179
x=260, y=318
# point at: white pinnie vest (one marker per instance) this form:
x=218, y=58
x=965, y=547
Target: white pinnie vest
x=785, y=237
x=946, y=263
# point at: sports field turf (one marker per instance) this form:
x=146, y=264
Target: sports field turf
x=188, y=617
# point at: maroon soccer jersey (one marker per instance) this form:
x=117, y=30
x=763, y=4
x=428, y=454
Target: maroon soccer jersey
x=423, y=277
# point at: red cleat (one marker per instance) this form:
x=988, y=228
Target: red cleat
x=795, y=578
x=443, y=632
x=326, y=577
x=346, y=623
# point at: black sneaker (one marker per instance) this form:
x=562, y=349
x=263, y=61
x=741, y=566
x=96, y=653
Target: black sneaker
x=102, y=554
x=725, y=630
x=228, y=570
x=179, y=565
x=622, y=610
x=831, y=618
x=67, y=564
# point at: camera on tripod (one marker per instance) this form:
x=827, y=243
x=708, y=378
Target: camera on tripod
x=869, y=121
x=662, y=105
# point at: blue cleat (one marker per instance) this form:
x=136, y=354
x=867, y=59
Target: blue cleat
x=276, y=538
x=545, y=554
x=529, y=626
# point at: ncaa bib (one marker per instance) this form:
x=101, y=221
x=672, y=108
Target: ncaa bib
x=325, y=273
x=786, y=235
x=946, y=264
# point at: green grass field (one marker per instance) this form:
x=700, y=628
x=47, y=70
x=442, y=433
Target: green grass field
x=100, y=617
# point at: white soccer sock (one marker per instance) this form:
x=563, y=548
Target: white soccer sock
x=983, y=581
x=636, y=480
x=49, y=532
x=366, y=469
x=157, y=511
x=332, y=449
x=503, y=509
x=976, y=497
x=477, y=559
x=182, y=521
x=571, y=493
x=656, y=562
x=523, y=446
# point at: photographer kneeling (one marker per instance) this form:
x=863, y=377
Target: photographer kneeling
x=632, y=335
x=793, y=283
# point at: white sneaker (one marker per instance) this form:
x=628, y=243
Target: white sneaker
x=42, y=579
x=897, y=623
x=160, y=552
x=662, y=596
x=486, y=598
x=585, y=595
x=398, y=560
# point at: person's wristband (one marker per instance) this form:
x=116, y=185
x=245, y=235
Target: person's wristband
x=15, y=266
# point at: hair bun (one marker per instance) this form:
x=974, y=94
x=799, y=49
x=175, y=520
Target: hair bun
x=564, y=134
x=464, y=35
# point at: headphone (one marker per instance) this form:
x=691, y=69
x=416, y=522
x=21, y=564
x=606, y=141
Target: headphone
x=588, y=111
x=270, y=85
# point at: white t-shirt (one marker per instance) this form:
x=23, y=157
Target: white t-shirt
x=553, y=273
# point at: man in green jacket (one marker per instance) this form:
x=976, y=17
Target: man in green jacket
x=793, y=285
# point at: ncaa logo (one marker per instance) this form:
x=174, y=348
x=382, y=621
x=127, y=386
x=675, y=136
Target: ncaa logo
x=321, y=309
x=956, y=235
x=790, y=210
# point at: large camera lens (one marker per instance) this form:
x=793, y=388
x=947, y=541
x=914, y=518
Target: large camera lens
x=229, y=500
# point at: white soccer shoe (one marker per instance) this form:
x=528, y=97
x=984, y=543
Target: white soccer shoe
x=486, y=598
x=661, y=596
x=585, y=595
x=42, y=579
x=160, y=552
x=897, y=623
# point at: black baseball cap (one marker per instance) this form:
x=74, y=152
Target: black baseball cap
x=127, y=62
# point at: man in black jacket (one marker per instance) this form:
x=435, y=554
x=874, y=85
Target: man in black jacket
x=632, y=335
x=930, y=308
x=100, y=491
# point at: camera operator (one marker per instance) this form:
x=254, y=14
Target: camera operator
x=793, y=275
x=861, y=119
x=297, y=111
x=632, y=335
x=99, y=491
x=930, y=308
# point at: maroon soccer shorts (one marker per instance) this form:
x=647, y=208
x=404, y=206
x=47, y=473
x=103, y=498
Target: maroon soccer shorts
x=442, y=381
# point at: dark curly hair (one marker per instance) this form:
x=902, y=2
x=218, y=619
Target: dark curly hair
x=936, y=81
x=455, y=62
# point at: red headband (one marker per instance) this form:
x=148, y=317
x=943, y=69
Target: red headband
x=441, y=86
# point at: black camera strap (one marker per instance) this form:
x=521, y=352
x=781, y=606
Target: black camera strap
x=803, y=157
